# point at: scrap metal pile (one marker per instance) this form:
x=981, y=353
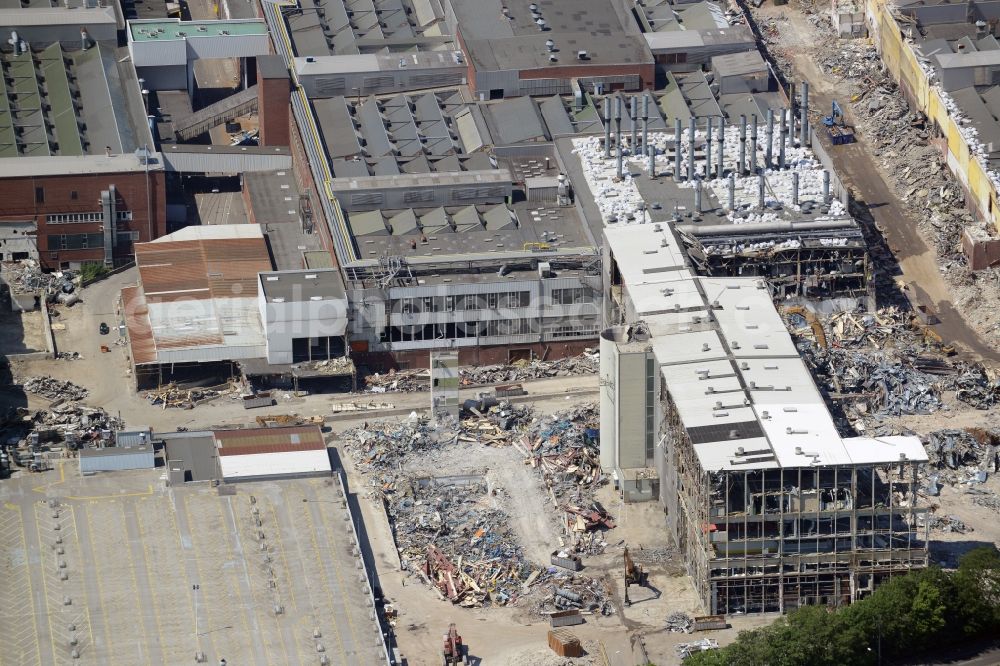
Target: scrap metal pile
x=453, y=532
x=27, y=277
x=173, y=396
x=78, y=422
x=961, y=456
x=403, y=381
x=587, y=363
x=881, y=365
x=54, y=389
x=407, y=381
x=461, y=544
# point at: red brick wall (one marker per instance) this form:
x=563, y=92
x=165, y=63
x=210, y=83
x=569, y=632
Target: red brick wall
x=304, y=180
x=646, y=71
x=274, y=107
x=18, y=202
x=384, y=361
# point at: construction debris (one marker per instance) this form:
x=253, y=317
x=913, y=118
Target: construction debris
x=453, y=532
x=402, y=381
x=173, y=396
x=947, y=524
x=685, y=650
x=54, y=389
x=679, y=622
x=961, y=456
x=587, y=363
x=26, y=277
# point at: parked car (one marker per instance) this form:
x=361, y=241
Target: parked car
x=104, y=329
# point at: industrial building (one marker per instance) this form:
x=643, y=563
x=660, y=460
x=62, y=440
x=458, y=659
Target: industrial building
x=114, y=459
x=209, y=304
x=196, y=304
x=81, y=180
x=944, y=56
x=245, y=454
x=707, y=407
x=541, y=48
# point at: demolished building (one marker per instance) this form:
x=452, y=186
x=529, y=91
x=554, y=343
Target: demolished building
x=704, y=396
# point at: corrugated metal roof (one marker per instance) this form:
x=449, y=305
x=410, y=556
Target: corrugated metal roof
x=272, y=448
x=140, y=334
x=298, y=436
x=196, y=290
x=201, y=268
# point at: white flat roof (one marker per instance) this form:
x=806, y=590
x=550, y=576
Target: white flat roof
x=731, y=366
x=286, y=463
x=68, y=165
x=646, y=253
x=666, y=297
x=212, y=232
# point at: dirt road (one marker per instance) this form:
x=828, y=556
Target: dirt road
x=858, y=169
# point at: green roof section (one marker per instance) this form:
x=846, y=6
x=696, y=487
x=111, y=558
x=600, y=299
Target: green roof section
x=8, y=140
x=156, y=30
x=61, y=101
x=29, y=105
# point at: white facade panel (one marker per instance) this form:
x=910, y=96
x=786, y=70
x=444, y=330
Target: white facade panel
x=288, y=463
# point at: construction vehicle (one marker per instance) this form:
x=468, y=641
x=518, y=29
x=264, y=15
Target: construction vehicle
x=635, y=575
x=836, y=127
x=453, y=650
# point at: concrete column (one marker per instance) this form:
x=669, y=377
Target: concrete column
x=743, y=145
x=645, y=122
x=677, y=149
x=732, y=191
x=651, y=154
x=618, y=121
x=691, y=129
x=769, y=147
x=795, y=188
x=804, y=122
x=618, y=159
x=782, y=137
x=826, y=186
x=753, y=143
x=760, y=191
x=697, y=195
x=607, y=128
x=634, y=126
x=708, y=151
x=720, y=146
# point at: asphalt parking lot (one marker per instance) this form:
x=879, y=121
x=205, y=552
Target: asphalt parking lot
x=117, y=569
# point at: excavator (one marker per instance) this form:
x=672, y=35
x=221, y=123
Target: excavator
x=454, y=651
x=635, y=575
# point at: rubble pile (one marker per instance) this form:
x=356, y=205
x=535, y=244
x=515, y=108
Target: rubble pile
x=961, y=456
x=382, y=445
x=565, y=447
x=460, y=543
x=54, y=389
x=988, y=500
x=403, y=381
x=883, y=386
x=587, y=363
x=452, y=531
x=27, y=277
x=685, y=650
x=494, y=427
x=680, y=623
x=880, y=365
x=72, y=418
x=947, y=524
x=173, y=396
